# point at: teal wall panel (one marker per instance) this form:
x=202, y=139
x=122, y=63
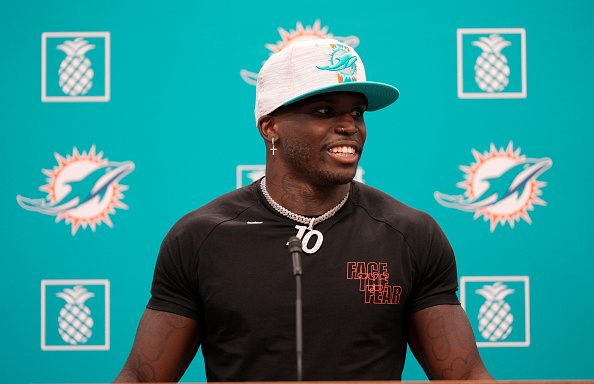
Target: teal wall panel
x=179, y=110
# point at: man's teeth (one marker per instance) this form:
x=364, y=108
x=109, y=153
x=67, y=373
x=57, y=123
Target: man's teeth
x=343, y=151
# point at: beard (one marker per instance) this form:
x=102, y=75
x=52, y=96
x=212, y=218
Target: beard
x=308, y=163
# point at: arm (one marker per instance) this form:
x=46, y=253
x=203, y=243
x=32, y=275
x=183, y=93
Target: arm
x=442, y=340
x=164, y=346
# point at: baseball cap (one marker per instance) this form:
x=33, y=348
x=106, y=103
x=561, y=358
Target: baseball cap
x=312, y=67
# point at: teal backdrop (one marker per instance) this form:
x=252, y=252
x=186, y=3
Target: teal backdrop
x=168, y=118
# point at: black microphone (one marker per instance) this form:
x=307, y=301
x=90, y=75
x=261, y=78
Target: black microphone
x=296, y=250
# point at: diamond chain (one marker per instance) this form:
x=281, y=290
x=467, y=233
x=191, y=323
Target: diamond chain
x=299, y=218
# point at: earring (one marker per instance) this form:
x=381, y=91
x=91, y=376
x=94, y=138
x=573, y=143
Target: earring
x=273, y=149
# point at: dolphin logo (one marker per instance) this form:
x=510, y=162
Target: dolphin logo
x=300, y=33
x=91, y=186
x=510, y=183
x=344, y=62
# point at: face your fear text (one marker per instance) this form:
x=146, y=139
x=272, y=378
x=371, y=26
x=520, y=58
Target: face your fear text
x=373, y=280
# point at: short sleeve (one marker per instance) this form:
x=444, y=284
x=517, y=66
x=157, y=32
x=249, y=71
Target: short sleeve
x=174, y=287
x=436, y=277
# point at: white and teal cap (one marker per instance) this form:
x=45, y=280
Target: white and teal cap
x=312, y=67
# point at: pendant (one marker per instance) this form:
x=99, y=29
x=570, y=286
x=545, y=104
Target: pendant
x=306, y=237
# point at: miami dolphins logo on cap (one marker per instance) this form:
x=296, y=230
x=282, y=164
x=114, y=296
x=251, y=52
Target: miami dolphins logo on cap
x=342, y=61
x=300, y=33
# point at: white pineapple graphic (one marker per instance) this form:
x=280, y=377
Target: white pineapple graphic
x=75, y=320
x=491, y=71
x=76, y=74
x=257, y=174
x=495, y=319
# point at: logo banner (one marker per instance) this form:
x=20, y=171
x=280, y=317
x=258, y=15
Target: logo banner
x=75, y=315
x=492, y=63
x=498, y=308
x=75, y=67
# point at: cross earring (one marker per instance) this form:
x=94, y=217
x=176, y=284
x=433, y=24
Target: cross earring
x=273, y=149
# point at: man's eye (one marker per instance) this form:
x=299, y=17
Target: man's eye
x=357, y=113
x=324, y=111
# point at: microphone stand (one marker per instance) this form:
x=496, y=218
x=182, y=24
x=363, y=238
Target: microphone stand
x=296, y=250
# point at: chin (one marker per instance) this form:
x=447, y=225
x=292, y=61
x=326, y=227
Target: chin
x=336, y=178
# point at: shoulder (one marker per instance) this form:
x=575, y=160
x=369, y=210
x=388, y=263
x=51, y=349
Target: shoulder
x=382, y=207
x=224, y=208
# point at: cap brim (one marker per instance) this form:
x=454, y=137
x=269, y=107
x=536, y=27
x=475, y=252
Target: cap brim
x=379, y=95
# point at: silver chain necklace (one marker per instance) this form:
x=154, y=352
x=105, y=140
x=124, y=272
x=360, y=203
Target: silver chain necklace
x=299, y=218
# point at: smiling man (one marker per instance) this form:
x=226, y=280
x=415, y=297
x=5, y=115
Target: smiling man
x=377, y=274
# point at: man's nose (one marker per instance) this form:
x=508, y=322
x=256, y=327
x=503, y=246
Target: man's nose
x=345, y=125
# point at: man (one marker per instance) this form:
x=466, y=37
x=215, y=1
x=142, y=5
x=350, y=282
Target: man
x=376, y=274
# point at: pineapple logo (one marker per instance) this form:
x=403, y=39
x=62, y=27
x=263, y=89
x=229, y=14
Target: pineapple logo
x=491, y=69
x=501, y=185
x=76, y=74
x=67, y=323
x=75, y=319
x=75, y=67
x=495, y=318
x=491, y=63
x=82, y=189
x=247, y=174
x=494, y=298
x=298, y=34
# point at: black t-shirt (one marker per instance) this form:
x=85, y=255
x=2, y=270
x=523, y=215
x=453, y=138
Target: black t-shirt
x=227, y=265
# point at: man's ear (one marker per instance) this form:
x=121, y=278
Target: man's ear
x=267, y=128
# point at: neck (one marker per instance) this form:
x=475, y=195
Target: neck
x=303, y=198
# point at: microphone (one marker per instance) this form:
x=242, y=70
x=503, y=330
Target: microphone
x=296, y=250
